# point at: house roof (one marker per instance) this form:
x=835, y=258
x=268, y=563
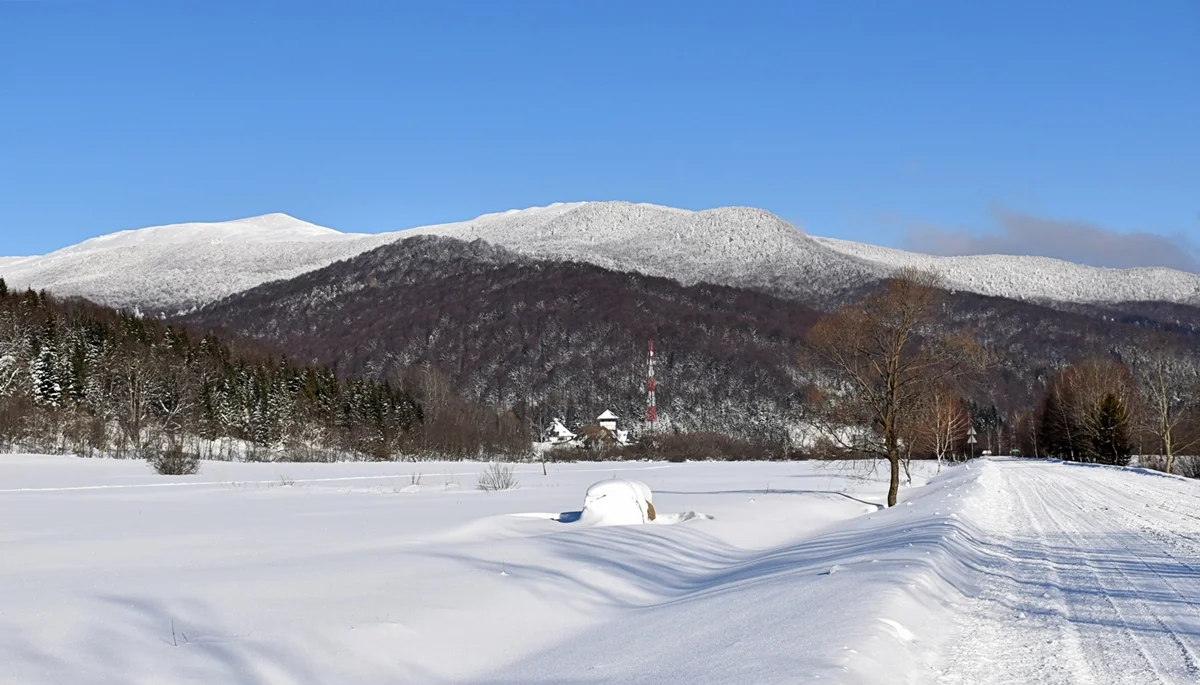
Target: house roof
x=558, y=428
x=607, y=416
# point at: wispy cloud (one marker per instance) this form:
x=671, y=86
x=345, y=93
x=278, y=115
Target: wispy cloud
x=1023, y=234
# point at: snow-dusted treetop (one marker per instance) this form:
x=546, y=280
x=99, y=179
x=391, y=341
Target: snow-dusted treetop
x=184, y=265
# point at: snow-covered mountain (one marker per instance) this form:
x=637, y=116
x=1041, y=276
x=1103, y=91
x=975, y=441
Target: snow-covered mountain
x=739, y=246
x=168, y=268
x=1036, y=278
x=180, y=266
x=749, y=247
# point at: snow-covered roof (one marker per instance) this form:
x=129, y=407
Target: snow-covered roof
x=557, y=428
x=607, y=416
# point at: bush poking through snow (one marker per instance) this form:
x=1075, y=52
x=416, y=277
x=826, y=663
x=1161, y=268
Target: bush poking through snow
x=496, y=477
x=173, y=461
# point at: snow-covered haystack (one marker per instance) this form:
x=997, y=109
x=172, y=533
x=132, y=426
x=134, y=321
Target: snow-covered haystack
x=617, y=502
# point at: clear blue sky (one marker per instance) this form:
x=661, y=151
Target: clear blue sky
x=856, y=120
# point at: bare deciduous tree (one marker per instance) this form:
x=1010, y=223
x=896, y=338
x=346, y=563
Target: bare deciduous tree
x=942, y=422
x=884, y=353
x=1170, y=393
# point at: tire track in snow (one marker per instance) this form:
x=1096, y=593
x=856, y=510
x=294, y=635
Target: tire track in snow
x=1106, y=578
x=1137, y=520
x=989, y=649
x=1071, y=530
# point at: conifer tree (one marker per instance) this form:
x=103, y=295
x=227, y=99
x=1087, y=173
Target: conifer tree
x=44, y=376
x=1111, y=433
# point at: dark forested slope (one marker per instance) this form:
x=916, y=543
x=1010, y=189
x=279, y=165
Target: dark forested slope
x=544, y=338
x=541, y=338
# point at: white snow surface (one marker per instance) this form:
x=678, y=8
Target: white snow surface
x=1004, y=571
x=170, y=268
x=180, y=266
x=1035, y=278
x=740, y=246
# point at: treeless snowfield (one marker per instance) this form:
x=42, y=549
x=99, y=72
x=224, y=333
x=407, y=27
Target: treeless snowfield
x=999, y=571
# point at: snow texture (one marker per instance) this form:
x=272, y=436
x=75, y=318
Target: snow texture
x=169, y=268
x=1036, y=278
x=1003, y=571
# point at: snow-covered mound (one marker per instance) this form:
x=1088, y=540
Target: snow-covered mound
x=183, y=265
x=617, y=502
x=1035, y=278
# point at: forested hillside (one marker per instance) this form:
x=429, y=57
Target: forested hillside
x=544, y=338
x=81, y=378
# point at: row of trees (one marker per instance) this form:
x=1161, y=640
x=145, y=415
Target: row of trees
x=80, y=378
x=890, y=381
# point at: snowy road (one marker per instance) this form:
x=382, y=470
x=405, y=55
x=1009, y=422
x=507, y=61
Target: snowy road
x=1089, y=575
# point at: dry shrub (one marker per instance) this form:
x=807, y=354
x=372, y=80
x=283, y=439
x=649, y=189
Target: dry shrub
x=498, y=476
x=172, y=460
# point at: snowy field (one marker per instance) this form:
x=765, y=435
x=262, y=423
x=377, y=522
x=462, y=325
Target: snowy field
x=1002, y=571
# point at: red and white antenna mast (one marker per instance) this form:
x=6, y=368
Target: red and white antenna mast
x=651, y=405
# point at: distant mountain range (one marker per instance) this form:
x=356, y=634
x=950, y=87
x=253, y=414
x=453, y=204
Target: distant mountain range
x=179, y=267
x=546, y=311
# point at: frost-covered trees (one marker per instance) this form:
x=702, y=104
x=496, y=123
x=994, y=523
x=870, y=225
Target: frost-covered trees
x=82, y=378
x=941, y=422
x=44, y=373
x=1169, y=382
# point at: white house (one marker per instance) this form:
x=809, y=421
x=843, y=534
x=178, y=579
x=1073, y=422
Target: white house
x=558, y=434
x=608, y=420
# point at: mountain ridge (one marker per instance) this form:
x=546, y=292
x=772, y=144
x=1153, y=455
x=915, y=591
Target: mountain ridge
x=181, y=266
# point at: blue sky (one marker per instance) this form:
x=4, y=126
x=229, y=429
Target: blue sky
x=922, y=124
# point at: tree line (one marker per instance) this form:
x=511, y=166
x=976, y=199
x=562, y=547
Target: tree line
x=79, y=378
x=889, y=379
x=545, y=339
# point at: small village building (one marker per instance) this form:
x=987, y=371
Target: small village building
x=558, y=433
x=608, y=420
x=598, y=435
